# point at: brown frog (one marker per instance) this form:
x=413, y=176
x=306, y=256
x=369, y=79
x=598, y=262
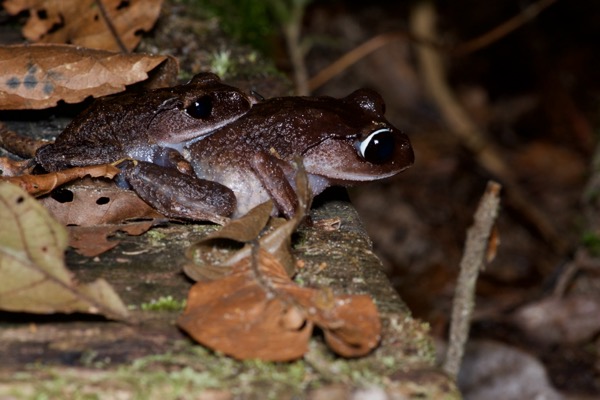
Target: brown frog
x=208, y=151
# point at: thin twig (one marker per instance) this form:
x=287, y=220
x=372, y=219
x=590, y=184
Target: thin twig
x=459, y=122
x=358, y=53
x=352, y=57
x=375, y=43
x=503, y=29
x=111, y=27
x=292, y=30
x=472, y=262
x=19, y=145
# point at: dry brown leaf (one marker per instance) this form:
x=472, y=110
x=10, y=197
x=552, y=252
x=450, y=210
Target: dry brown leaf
x=87, y=22
x=91, y=241
x=246, y=228
x=350, y=322
x=259, y=312
x=38, y=185
x=214, y=256
x=94, y=211
x=246, y=305
x=95, y=203
x=38, y=76
x=34, y=277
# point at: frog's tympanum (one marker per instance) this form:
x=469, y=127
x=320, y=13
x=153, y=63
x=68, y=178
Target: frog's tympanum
x=207, y=151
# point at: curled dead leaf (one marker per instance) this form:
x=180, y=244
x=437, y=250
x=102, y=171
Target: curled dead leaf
x=213, y=256
x=37, y=185
x=38, y=76
x=259, y=312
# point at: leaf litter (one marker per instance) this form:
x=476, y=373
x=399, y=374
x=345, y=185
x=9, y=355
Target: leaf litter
x=259, y=312
x=35, y=278
x=245, y=303
x=112, y=24
x=92, y=211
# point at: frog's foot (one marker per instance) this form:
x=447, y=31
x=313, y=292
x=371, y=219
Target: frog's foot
x=180, y=196
x=123, y=164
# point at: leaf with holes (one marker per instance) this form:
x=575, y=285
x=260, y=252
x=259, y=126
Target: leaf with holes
x=110, y=24
x=95, y=210
x=92, y=202
x=34, y=277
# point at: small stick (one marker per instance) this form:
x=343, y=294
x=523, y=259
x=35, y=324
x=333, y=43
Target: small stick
x=22, y=146
x=375, y=43
x=292, y=26
x=111, y=27
x=473, y=260
x=351, y=57
x=503, y=29
x=460, y=123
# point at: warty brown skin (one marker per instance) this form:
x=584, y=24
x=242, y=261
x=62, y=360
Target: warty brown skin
x=207, y=151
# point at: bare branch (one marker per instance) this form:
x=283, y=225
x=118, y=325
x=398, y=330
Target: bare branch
x=503, y=29
x=473, y=260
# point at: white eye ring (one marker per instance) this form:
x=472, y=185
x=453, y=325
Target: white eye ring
x=362, y=146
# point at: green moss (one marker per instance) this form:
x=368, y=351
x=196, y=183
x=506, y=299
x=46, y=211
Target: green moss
x=156, y=237
x=156, y=234
x=191, y=368
x=164, y=376
x=222, y=64
x=257, y=23
x=248, y=21
x=163, y=303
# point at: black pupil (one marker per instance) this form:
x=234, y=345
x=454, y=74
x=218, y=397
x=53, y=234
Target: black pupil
x=200, y=108
x=381, y=148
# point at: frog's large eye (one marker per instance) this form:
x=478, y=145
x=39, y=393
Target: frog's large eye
x=378, y=147
x=201, y=108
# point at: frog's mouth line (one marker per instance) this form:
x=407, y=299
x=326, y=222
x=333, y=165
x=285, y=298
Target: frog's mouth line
x=358, y=177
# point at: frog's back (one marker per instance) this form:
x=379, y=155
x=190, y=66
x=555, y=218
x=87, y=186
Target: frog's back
x=100, y=134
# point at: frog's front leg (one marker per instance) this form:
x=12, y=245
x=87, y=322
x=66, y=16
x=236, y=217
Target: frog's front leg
x=272, y=176
x=178, y=195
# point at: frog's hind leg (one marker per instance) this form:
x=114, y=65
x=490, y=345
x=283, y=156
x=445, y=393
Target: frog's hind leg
x=55, y=157
x=180, y=196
